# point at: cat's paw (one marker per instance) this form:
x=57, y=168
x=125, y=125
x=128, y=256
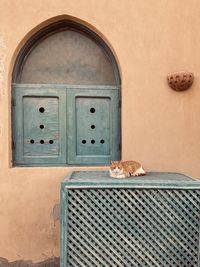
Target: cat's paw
x=140, y=174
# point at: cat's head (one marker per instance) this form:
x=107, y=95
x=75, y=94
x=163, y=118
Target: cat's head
x=116, y=165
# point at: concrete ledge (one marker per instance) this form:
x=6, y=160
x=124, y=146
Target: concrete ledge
x=51, y=262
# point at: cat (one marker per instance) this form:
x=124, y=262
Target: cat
x=123, y=169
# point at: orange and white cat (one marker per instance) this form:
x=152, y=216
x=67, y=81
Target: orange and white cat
x=123, y=169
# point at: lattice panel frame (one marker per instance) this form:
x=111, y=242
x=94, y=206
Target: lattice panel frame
x=125, y=227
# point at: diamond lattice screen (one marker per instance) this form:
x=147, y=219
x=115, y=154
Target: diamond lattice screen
x=132, y=227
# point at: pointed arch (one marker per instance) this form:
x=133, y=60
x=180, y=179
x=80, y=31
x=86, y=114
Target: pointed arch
x=56, y=29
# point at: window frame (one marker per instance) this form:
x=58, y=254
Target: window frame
x=64, y=158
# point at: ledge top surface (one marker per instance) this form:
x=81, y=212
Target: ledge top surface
x=98, y=179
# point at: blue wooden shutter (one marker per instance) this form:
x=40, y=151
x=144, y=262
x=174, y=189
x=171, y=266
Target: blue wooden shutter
x=40, y=125
x=93, y=125
x=59, y=124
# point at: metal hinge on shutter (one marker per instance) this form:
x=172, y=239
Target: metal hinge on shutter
x=120, y=147
x=120, y=103
x=13, y=145
x=13, y=102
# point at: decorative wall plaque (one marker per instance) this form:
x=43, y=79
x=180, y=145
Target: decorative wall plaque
x=180, y=81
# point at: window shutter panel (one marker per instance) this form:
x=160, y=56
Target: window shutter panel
x=40, y=125
x=93, y=125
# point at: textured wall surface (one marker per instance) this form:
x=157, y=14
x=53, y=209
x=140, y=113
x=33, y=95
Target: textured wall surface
x=160, y=127
x=53, y=262
x=2, y=60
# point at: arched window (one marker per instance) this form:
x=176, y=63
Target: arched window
x=66, y=98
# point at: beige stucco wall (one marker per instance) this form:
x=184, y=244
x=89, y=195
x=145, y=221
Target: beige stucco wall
x=160, y=127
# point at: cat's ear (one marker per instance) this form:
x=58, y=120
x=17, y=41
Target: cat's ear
x=111, y=162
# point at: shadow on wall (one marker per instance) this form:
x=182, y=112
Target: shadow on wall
x=52, y=262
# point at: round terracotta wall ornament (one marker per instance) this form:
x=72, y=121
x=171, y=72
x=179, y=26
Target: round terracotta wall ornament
x=180, y=81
